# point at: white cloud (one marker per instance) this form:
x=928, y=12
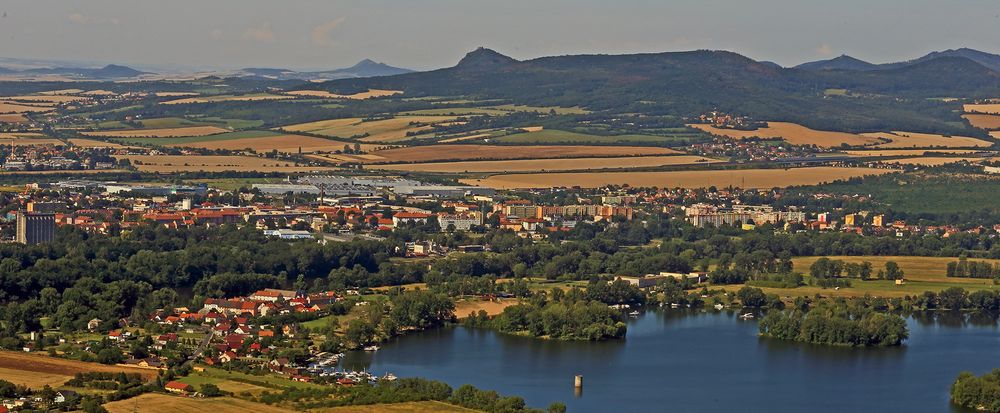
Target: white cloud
x=260, y=33
x=321, y=34
x=824, y=50
x=216, y=34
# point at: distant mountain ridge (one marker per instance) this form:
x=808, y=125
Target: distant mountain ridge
x=694, y=82
x=845, y=62
x=363, y=69
x=842, y=62
x=106, y=72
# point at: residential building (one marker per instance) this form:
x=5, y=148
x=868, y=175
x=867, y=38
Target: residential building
x=178, y=387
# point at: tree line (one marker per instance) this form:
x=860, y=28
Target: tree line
x=835, y=323
x=561, y=315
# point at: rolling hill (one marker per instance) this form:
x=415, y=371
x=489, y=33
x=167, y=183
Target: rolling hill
x=364, y=68
x=842, y=62
x=845, y=62
x=106, y=72
x=691, y=83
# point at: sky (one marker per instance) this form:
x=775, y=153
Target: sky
x=428, y=34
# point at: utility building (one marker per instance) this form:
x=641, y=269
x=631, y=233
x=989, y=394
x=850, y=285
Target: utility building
x=35, y=227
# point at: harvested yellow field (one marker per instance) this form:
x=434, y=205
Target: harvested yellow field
x=560, y=164
x=287, y=143
x=174, y=94
x=9, y=107
x=227, y=98
x=37, y=142
x=931, y=160
x=28, y=139
x=926, y=140
x=164, y=403
x=371, y=93
x=465, y=138
x=160, y=133
x=385, y=130
x=13, y=118
x=33, y=379
x=60, y=171
x=432, y=153
x=492, y=308
x=988, y=108
x=321, y=125
x=575, y=110
x=20, y=135
x=62, y=92
x=334, y=158
x=182, y=163
x=907, y=152
x=792, y=133
x=98, y=92
x=408, y=407
x=980, y=121
x=744, y=178
x=40, y=364
x=91, y=143
x=50, y=99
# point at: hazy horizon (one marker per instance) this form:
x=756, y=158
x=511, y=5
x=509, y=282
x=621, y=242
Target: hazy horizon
x=316, y=34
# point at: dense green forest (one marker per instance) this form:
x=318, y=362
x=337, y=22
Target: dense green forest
x=977, y=392
x=836, y=323
x=559, y=315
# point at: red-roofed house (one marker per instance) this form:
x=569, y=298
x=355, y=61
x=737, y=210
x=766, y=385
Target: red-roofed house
x=178, y=387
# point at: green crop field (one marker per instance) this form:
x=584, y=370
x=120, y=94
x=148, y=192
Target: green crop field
x=231, y=123
x=319, y=323
x=162, y=123
x=459, y=111
x=194, y=139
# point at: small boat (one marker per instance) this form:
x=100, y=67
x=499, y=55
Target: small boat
x=746, y=316
x=389, y=377
x=371, y=348
x=675, y=305
x=719, y=306
x=634, y=314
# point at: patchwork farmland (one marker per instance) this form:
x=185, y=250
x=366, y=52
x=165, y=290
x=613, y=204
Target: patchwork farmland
x=431, y=153
x=744, y=178
x=182, y=163
x=559, y=164
x=794, y=134
x=371, y=131
x=160, y=133
x=899, y=140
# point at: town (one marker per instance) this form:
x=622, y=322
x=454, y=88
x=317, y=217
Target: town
x=498, y=207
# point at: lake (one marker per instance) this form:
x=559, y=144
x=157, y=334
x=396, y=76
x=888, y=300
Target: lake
x=691, y=361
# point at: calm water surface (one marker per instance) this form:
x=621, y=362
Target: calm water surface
x=681, y=361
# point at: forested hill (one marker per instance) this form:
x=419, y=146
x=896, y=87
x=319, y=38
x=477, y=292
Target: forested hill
x=690, y=83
